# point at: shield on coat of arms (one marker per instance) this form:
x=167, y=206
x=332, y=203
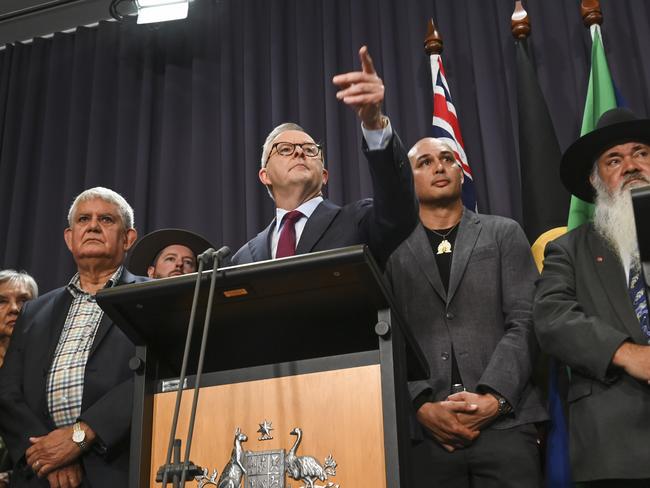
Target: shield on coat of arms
x=264, y=469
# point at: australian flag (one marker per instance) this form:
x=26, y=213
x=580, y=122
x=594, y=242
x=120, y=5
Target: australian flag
x=445, y=126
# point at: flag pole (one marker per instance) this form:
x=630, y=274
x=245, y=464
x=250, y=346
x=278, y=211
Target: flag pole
x=445, y=125
x=591, y=13
x=433, y=40
x=519, y=22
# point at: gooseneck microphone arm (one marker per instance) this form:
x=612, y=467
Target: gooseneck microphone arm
x=217, y=257
x=169, y=467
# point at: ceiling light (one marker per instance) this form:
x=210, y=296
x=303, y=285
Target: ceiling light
x=161, y=10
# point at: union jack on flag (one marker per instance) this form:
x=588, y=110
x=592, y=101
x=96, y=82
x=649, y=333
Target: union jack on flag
x=445, y=126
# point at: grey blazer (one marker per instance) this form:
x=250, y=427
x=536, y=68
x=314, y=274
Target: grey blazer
x=486, y=314
x=582, y=315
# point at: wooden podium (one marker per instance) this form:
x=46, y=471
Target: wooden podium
x=306, y=350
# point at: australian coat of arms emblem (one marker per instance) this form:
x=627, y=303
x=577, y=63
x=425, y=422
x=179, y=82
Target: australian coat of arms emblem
x=267, y=469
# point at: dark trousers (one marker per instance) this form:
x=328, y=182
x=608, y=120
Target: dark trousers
x=497, y=458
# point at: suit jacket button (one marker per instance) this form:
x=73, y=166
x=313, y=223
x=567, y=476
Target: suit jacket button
x=444, y=356
x=449, y=315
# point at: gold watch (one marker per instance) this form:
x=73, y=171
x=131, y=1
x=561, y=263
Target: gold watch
x=79, y=436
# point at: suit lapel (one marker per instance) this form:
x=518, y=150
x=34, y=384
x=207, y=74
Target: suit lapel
x=419, y=245
x=106, y=323
x=609, y=269
x=316, y=226
x=468, y=232
x=55, y=314
x=260, y=245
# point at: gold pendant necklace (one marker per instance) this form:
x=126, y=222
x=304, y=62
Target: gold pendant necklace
x=445, y=246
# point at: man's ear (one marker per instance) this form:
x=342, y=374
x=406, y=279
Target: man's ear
x=264, y=177
x=67, y=237
x=150, y=271
x=129, y=239
x=326, y=176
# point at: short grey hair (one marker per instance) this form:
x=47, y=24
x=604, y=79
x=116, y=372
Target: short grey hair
x=19, y=277
x=108, y=195
x=268, y=143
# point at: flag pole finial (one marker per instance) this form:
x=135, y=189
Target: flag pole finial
x=433, y=39
x=590, y=11
x=519, y=22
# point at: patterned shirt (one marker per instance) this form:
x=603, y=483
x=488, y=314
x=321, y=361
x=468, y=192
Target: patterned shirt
x=65, y=381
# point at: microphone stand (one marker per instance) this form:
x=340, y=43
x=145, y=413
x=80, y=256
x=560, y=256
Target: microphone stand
x=186, y=467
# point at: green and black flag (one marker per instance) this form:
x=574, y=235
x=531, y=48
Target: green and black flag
x=545, y=201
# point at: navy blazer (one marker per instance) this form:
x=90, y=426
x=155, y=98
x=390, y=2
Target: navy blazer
x=107, y=396
x=382, y=222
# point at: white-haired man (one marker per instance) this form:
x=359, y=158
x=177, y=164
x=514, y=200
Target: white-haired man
x=591, y=307
x=293, y=171
x=65, y=387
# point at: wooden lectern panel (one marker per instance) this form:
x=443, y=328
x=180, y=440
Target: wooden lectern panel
x=339, y=412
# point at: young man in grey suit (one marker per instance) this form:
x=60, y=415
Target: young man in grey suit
x=591, y=308
x=293, y=171
x=464, y=284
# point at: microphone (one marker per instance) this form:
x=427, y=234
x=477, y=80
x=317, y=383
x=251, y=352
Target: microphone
x=206, y=256
x=223, y=252
x=210, y=254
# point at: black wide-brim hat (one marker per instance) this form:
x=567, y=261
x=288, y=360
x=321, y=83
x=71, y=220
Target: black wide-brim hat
x=146, y=249
x=616, y=126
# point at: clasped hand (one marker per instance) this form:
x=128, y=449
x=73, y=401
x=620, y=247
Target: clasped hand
x=52, y=451
x=457, y=422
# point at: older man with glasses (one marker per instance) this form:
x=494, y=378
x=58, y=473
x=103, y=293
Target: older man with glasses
x=293, y=171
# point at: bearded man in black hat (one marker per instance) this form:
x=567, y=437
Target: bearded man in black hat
x=167, y=252
x=591, y=309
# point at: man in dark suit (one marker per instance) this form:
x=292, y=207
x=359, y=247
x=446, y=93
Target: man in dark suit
x=591, y=307
x=66, y=387
x=464, y=284
x=292, y=169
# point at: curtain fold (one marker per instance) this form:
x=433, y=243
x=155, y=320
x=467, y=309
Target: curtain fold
x=173, y=116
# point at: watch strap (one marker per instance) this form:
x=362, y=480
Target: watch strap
x=504, y=406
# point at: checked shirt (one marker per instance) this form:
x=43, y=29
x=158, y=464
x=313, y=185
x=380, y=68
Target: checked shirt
x=65, y=380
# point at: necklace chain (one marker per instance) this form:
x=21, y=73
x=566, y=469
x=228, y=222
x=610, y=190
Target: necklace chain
x=444, y=236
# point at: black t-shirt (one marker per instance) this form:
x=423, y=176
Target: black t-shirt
x=443, y=260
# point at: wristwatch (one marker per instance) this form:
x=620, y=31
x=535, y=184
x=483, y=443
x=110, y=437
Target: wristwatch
x=79, y=436
x=504, y=406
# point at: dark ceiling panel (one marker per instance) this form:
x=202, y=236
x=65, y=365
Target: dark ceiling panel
x=22, y=20
x=13, y=8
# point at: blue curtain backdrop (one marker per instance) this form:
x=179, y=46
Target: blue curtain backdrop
x=173, y=117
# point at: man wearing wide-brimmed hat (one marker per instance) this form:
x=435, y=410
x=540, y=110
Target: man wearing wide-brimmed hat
x=591, y=308
x=167, y=252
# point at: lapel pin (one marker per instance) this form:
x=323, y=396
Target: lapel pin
x=600, y=259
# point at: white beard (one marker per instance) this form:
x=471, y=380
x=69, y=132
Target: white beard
x=614, y=221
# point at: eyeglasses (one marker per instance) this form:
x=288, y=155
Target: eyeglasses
x=310, y=149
